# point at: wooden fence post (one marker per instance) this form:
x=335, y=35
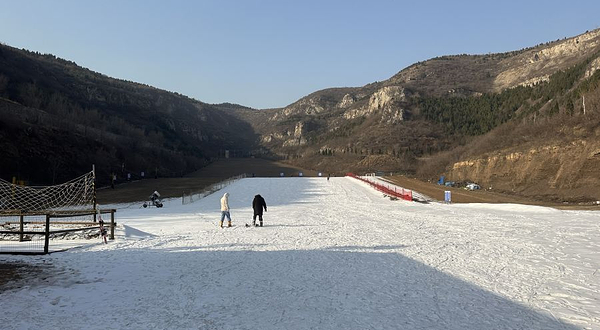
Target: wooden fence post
x=47, y=235
x=112, y=224
x=21, y=225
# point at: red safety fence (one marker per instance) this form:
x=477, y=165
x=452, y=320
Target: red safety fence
x=386, y=189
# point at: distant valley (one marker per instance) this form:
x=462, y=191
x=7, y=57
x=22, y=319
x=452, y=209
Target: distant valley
x=523, y=122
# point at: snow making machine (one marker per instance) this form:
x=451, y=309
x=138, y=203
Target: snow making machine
x=154, y=200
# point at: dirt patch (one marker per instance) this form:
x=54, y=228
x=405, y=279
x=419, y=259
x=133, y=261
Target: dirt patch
x=13, y=275
x=8, y=272
x=459, y=195
x=140, y=190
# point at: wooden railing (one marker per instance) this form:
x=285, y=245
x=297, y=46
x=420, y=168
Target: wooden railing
x=47, y=232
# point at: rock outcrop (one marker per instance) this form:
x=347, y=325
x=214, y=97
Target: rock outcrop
x=573, y=168
x=346, y=101
x=536, y=64
x=386, y=101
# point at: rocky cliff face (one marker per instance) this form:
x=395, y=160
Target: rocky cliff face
x=386, y=100
x=332, y=111
x=594, y=66
x=562, y=171
x=390, y=102
x=347, y=101
x=539, y=63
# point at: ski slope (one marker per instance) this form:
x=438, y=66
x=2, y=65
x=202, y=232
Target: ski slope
x=332, y=255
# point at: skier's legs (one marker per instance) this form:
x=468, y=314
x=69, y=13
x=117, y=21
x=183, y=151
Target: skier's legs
x=228, y=218
x=223, y=215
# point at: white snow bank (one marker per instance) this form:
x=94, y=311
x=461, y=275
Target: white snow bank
x=332, y=255
x=521, y=208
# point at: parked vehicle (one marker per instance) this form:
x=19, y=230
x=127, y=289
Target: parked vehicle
x=472, y=186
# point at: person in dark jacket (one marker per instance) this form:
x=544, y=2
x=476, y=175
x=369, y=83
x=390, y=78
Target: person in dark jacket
x=258, y=204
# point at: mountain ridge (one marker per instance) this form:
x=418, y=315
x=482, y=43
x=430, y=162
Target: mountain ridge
x=434, y=106
x=446, y=115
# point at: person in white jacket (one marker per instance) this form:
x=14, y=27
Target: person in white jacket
x=225, y=210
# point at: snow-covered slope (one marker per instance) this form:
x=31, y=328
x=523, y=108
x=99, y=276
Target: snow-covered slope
x=332, y=255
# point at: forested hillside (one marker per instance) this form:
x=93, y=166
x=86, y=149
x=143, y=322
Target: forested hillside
x=476, y=115
x=57, y=119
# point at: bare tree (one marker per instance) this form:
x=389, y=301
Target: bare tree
x=3, y=83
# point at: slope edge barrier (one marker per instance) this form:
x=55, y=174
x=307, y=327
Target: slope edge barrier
x=193, y=196
x=386, y=189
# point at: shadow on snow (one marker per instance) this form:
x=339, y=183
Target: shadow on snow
x=325, y=289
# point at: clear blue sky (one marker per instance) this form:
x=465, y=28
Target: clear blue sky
x=266, y=54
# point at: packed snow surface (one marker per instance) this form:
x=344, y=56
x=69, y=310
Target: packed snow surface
x=332, y=255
